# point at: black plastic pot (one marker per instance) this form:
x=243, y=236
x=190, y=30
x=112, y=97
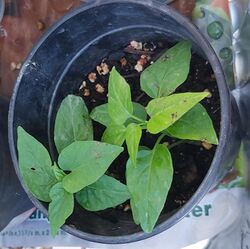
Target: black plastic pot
x=72, y=48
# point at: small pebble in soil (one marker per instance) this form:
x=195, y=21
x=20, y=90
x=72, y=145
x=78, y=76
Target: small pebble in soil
x=166, y=144
x=123, y=62
x=136, y=45
x=83, y=85
x=127, y=208
x=207, y=146
x=138, y=67
x=92, y=77
x=86, y=92
x=103, y=69
x=143, y=60
x=99, y=88
x=210, y=94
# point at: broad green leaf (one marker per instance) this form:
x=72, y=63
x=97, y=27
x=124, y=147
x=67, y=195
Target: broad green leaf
x=105, y=193
x=114, y=134
x=88, y=161
x=168, y=72
x=133, y=137
x=60, y=208
x=35, y=165
x=120, y=106
x=59, y=174
x=167, y=110
x=72, y=123
x=194, y=125
x=100, y=114
x=149, y=184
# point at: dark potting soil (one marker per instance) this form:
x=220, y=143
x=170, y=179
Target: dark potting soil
x=192, y=160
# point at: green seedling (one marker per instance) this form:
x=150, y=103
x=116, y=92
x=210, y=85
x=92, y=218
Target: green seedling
x=82, y=163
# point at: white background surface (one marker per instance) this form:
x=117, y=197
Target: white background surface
x=227, y=206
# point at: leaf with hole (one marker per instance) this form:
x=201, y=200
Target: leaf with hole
x=35, y=165
x=167, y=110
x=149, y=184
x=87, y=161
x=60, y=208
x=120, y=106
x=105, y=193
x=168, y=72
x=133, y=137
x=194, y=125
x=73, y=122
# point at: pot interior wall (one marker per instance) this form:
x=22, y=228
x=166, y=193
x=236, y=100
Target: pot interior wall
x=57, y=67
x=42, y=72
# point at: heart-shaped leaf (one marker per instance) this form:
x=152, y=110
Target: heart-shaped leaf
x=114, y=134
x=106, y=192
x=72, y=123
x=133, y=137
x=88, y=161
x=120, y=106
x=168, y=72
x=194, y=125
x=149, y=184
x=60, y=208
x=167, y=110
x=100, y=114
x=35, y=165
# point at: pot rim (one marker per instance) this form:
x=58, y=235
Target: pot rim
x=225, y=103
